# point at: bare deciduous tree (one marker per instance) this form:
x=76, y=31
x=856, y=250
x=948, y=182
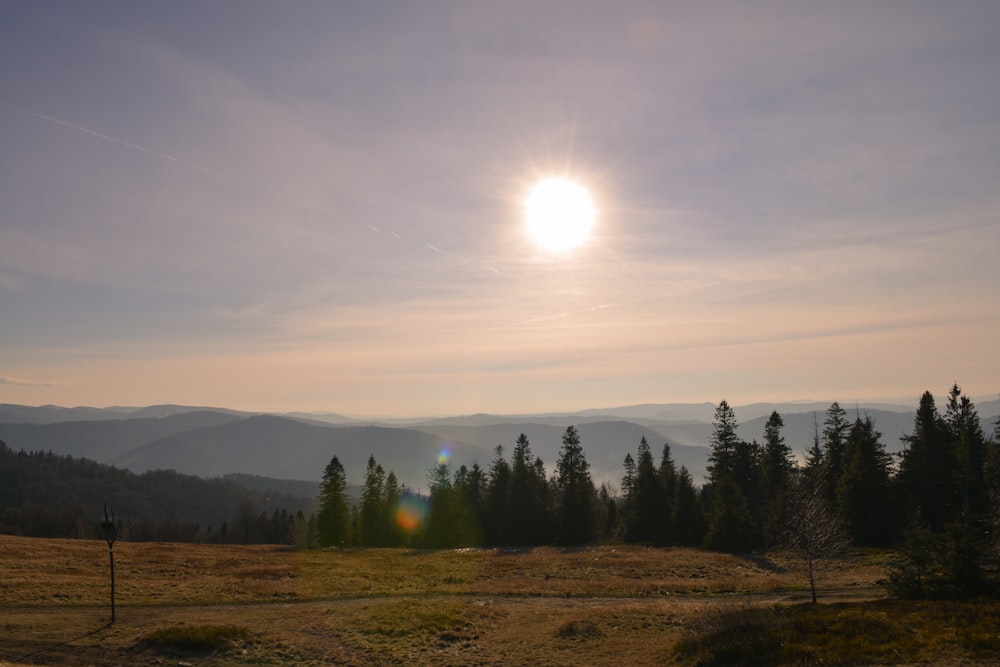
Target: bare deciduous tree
x=813, y=530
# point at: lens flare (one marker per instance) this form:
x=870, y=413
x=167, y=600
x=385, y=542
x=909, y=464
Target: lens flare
x=444, y=456
x=411, y=512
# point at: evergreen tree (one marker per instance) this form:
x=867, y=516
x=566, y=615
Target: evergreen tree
x=442, y=529
x=724, y=443
x=969, y=446
x=608, y=514
x=525, y=498
x=668, y=482
x=373, y=516
x=732, y=484
x=863, y=493
x=776, y=469
x=544, y=491
x=731, y=527
x=646, y=522
x=835, y=430
x=497, y=490
x=470, y=489
x=927, y=470
x=395, y=536
x=576, y=494
x=688, y=519
x=992, y=478
x=814, y=455
x=332, y=520
x=628, y=481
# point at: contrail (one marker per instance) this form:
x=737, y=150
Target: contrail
x=205, y=170
x=105, y=137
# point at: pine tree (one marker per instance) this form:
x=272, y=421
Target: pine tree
x=688, y=520
x=576, y=494
x=497, y=489
x=525, y=498
x=969, y=445
x=628, y=481
x=647, y=522
x=470, y=489
x=776, y=469
x=442, y=529
x=835, y=429
x=608, y=513
x=668, y=481
x=992, y=479
x=927, y=470
x=863, y=493
x=724, y=443
x=332, y=520
x=731, y=527
x=732, y=485
x=395, y=536
x=814, y=455
x=373, y=516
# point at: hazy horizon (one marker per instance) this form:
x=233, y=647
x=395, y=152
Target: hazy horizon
x=320, y=207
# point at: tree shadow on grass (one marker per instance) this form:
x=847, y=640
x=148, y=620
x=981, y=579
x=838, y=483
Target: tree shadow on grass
x=763, y=563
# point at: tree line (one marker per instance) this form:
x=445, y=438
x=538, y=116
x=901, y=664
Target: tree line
x=48, y=495
x=938, y=498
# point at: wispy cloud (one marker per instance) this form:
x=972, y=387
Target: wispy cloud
x=31, y=383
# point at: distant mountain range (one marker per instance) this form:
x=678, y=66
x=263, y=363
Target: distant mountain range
x=213, y=442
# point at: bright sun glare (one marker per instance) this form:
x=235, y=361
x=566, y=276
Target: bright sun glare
x=559, y=214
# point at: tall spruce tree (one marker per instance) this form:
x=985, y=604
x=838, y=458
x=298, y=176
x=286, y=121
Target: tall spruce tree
x=646, y=522
x=470, y=490
x=814, y=455
x=863, y=492
x=688, y=518
x=334, y=514
x=526, y=509
x=373, y=511
x=575, y=490
x=836, y=426
x=497, y=491
x=927, y=469
x=776, y=469
x=969, y=446
x=731, y=527
x=392, y=490
x=724, y=442
x=732, y=485
x=668, y=480
x=442, y=527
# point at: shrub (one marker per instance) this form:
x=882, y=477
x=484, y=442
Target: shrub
x=578, y=630
x=197, y=637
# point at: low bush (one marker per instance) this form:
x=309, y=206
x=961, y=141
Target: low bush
x=197, y=637
x=885, y=632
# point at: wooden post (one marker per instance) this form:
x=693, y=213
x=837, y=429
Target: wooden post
x=110, y=535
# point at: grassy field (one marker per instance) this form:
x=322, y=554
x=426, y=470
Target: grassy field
x=264, y=605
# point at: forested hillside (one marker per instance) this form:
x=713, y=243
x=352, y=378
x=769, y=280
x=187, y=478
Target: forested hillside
x=48, y=495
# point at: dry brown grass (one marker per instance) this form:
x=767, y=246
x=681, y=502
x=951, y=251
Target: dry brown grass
x=605, y=605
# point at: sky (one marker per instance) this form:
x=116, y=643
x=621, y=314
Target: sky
x=319, y=206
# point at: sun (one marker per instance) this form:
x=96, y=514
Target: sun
x=559, y=214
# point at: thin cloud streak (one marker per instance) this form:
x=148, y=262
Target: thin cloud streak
x=24, y=382
x=783, y=192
